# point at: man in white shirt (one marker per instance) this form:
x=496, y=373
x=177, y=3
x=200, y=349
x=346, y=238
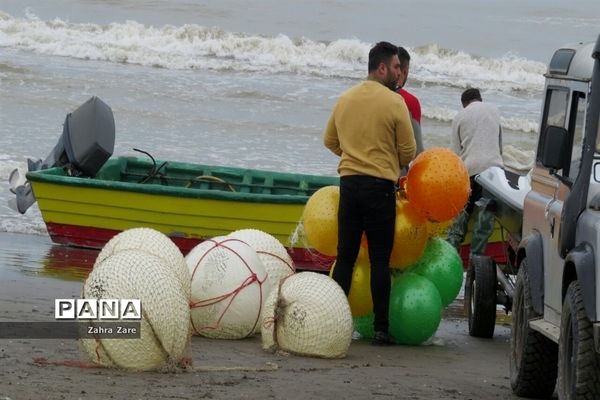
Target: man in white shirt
x=477, y=139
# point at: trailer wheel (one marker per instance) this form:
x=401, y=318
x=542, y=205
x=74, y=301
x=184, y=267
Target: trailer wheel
x=578, y=363
x=533, y=357
x=480, y=296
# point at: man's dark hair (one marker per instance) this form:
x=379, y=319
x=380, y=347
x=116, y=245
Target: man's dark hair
x=403, y=56
x=469, y=95
x=382, y=52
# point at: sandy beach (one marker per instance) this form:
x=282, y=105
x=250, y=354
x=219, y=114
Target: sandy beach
x=33, y=272
x=459, y=368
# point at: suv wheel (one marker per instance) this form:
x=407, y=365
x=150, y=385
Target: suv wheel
x=578, y=363
x=533, y=357
x=480, y=296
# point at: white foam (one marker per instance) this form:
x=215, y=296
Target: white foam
x=443, y=114
x=519, y=124
x=8, y=164
x=11, y=221
x=435, y=65
x=199, y=47
x=181, y=47
x=29, y=223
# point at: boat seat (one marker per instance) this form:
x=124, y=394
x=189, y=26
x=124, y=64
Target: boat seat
x=246, y=183
x=204, y=184
x=303, y=188
x=268, y=185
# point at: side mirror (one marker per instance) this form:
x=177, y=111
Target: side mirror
x=555, y=147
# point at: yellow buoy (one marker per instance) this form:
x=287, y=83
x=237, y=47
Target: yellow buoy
x=410, y=236
x=361, y=302
x=320, y=220
x=438, y=229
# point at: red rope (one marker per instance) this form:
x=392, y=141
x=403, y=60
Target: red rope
x=209, y=302
x=290, y=266
x=43, y=361
x=185, y=362
x=232, y=294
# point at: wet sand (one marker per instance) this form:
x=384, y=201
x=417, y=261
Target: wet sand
x=33, y=272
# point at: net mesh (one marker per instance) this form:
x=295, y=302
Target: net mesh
x=165, y=339
x=228, y=288
x=272, y=253
x=153, y=242
x=308, y=314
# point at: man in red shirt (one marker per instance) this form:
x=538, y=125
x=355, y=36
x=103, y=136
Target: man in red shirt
x=412, y=103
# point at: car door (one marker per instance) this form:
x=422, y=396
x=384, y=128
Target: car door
x=550, y=187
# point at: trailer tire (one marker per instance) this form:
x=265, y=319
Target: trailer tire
x=480, y=296
x=533, y=357
x=578, y=362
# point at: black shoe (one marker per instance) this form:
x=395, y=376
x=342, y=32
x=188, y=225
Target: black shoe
x=383, y=339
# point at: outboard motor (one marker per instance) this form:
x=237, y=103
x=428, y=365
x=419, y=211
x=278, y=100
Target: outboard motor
x=87, y=142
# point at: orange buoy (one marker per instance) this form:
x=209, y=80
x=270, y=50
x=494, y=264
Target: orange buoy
x=437, y=184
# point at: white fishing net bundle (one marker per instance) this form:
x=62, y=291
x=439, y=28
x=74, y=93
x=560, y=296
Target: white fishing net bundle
x=308, y=314
x=229, y=287
x=521, y=161
x=271, y=252
x=165, y=324
x=153, y=242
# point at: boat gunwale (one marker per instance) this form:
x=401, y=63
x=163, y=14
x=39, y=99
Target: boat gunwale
x=50, y=176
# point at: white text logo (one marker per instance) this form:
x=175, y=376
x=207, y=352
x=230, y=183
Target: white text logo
x=103, y=309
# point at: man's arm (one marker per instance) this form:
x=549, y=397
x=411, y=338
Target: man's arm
x=405, y=138
x=455, y=145
x=418, y=136
x=417, y=110
x=330, y=138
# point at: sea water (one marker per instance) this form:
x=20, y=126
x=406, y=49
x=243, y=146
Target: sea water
x=251, y=84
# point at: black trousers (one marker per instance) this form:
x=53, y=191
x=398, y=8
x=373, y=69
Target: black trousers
x=476, y=191
x=367, y=204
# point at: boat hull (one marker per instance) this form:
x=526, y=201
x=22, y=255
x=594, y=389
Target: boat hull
x=96, y=238
x=87, y=212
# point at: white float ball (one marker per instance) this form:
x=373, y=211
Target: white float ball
x=229, y=287
x=271, y=252
x=308, y=314
x=153, y=242
x=165, y=324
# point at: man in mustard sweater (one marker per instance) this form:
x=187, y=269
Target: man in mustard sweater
x=370, y=129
